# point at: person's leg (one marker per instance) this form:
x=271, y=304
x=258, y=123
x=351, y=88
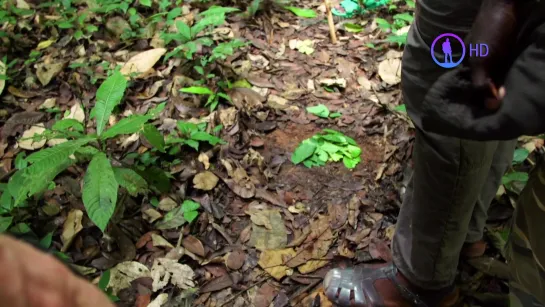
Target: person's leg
x=526, y=247
x=503, y=158
x=449, y=175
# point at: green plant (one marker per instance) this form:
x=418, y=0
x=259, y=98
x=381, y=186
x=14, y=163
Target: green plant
x=322, y=111
x=189, y=38
x=102, y=180
x=213, y=97
x=191, y=134
x=399, y=21
x=331, y=145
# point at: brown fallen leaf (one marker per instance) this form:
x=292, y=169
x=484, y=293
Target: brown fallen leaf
x=338, y=214
x=193, y=245
x=22, y=118
x=265, y=295
x=205, y=181
x=260, y=218
x=274, y=262
x=72, y=226
x=47, y=71
x=142, y=62
x=217, y=284
x=353, y=211
x=235, y=259
x=274, y=238
x=166, y=270
x=160, y=241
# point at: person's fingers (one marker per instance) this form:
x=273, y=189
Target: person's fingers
x=40, y=280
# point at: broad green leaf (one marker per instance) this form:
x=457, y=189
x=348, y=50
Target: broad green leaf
x=5, y=222
x=46, y=165
x=319, y=110
x=305, y=13
x=203, y=136
x=199, y=90
x=45, y=242
x=20, y=161
x=6, y=202
x=303, y=151
x=157, y=179
x=86, y=153
x=352, y=27
x=383, y=23
x=146, y=3
x=184, y=30
x=154, y=112
x=186, y=127
x=130, y=180
x=100, y=191
x=215, y=10
x=520, y=155
x=335, y=115
x=104, y=279
x=65, y=124
x=127, y=125
x=208, y=20
x=410, y=3
x=154, y=137
x=190, y=210
x=21, y=229
x=515, y=176
x=401, y=108
x=405, y=17
x=351, y=163
x=108, y=96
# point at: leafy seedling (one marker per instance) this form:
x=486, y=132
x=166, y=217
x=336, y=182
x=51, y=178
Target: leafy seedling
x=329, y=146
x=322, y=111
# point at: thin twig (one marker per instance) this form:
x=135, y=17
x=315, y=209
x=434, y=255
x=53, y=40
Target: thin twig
x=330, y=22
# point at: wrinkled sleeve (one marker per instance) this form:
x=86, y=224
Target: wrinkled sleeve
x=522, y=111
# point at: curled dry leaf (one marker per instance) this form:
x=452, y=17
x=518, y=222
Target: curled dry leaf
x=142, y=62
x=389, y=71
x=235, y=260
x=203, y=158
x=48, y=103
x=160, y=241
x=166, y=270
x=124, y=273
x=47, y=71
x=274, y=262
x=77, y=113
x=26, y=141
x=72, y=226
x=260, y=218
x=194, y=245
x=205, y=181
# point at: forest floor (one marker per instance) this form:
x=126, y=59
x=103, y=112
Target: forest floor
x=187, y=219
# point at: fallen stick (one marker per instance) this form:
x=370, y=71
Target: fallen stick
x=332, y=31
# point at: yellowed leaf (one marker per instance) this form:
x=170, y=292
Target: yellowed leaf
x=124, y=273
x=273, y=262
x=389, y=71
x=142, y=62
x=77, y=113
x=160, y=241
x=45, y=44
x=26, y=141
x=274, y=238
x=72, y=226
x=205, y=181
x=311, y=266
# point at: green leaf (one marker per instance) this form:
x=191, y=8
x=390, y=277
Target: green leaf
x=218, y=10
x=352, y=27
x=186, y=127
x=154, y=112
x=515, y=176
x=351, y=163
x=199, y=90
x=203, y=136
x=303, y=151
x=6, y=202
x=100, y=191
x=305, y=13
x=46, y=165
x=146, y=3
x=5, y=222
x=65, y=124
x=401, y=108
x=190, y=210
x=131, y=181
x=184, y=30
x=520, y=155
x=383, y=23
x=405, y=17
x=45, y=242
x=335, y=115
x=156, y=178
x=319, y=110
x=154, y=137
x=127, y=125
x=20, y=161
x=175, y=218
x=105, y=278
x=108, y=96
